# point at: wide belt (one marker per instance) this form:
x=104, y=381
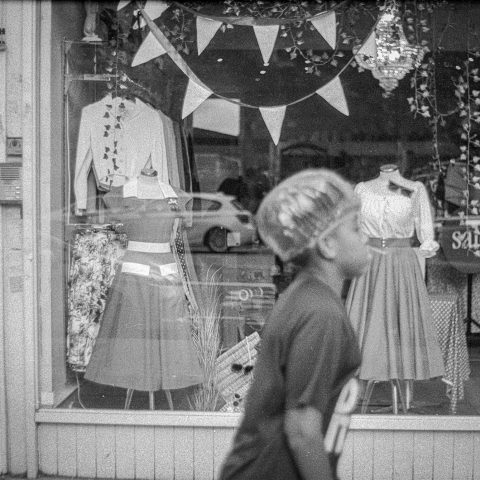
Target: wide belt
x=392, y=242
x=148, y=247
x=144, y=270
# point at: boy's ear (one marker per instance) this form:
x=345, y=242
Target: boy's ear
x=327, y=246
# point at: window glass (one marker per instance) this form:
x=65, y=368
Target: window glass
x=174, y=132
x=204, y=204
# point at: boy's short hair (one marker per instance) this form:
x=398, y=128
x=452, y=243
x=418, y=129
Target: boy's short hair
x=302, y=208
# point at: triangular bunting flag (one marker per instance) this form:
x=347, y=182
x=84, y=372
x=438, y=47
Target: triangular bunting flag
x=154, y=10
x=273, y=118
x=122, y=4
x=332, y=92
x=194, y=97
x=369, y=47
x=150, y=48
x=266, y=38
x=206, y=30
x=326, y=26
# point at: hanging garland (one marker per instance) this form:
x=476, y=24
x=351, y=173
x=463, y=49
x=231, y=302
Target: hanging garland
x=422, y=31
x=467, y=92
x=294, y=19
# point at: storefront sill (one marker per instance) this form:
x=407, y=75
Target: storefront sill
x=229, y=420
x=434, y=423
x=143, y=418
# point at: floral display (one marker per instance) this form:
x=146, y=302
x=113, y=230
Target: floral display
x=94, y=256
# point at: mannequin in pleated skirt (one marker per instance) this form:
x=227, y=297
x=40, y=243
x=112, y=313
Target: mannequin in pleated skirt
x=389, y=305
x=145, y=341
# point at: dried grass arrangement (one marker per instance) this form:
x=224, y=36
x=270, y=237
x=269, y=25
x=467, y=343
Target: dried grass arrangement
x=206, y=338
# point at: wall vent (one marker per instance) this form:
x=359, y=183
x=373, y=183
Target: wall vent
x=11, y=182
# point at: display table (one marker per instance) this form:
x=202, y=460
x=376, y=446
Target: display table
x=453, y=343
x=443, y=278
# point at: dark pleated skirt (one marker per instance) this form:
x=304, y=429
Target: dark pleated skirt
x=390, y=311
x=145, y=341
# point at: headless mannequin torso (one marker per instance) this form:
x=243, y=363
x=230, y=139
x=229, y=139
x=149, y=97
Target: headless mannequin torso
x=395, y=207
x=390, y=181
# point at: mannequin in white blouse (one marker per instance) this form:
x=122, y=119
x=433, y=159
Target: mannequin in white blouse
x=394, y=207
x=392, y=221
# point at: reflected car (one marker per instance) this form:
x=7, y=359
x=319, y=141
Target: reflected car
x=220, y=222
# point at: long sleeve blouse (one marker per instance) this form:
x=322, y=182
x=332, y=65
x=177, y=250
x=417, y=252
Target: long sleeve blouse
x=394, y=215
x=117, y=143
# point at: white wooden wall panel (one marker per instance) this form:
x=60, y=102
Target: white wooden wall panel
x=183, y=453
x=363, y=455
x=403, y=456
x=67, y=450
x=86, y=451
x=203, y=453
x=462, y=455
x=48, y=449
x=345, y=465
x=125, y=452
x=423, y=455
x=222, y=442
x=164, y=453
x=144, y=452
x=443, y=455
x=476, y=456
x=186, y=453
x=106, y=453
x=383, y=455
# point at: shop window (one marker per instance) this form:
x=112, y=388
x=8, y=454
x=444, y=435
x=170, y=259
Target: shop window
x=167, y=284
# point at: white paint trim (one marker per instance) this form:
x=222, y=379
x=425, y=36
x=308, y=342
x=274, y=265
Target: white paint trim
x=228, y=420
x=45, y=160
x=3, y=91
x=3, y=139
x=432, y=423
x=141, y=418
x=30, y=133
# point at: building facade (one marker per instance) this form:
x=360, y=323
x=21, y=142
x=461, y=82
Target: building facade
x=44, y=430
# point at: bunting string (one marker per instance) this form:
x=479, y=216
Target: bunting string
x=257, y=21
x=180, y=62
x=170, y=49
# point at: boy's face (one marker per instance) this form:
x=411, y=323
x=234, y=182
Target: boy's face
x=353, y=254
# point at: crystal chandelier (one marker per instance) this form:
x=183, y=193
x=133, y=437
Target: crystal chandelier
x=387, y=52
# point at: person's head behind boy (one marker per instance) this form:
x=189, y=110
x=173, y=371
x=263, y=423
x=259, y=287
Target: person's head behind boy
x=312, y=218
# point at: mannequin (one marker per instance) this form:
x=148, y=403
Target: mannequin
x=116, y=139
x=90, y=25
x=144, y=342
x=389, y=305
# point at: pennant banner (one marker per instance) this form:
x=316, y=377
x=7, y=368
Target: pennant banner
x=149, y=49
x=154, y=10
x=266, y=38
x=273, y=118
x=172, y=52
x=326, y=25
x=195, y=95
x=369, y=47
x=206, y=30
x=332, y=92
x=122, y=4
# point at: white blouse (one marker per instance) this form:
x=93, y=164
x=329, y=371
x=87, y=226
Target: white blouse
x=117, y=144
x=395, y=215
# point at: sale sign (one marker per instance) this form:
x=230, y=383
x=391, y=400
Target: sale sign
x=460, y=241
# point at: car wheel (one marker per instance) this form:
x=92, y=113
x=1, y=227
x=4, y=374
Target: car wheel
x=216, y=240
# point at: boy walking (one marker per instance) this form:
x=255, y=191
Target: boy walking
x=298, y=407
